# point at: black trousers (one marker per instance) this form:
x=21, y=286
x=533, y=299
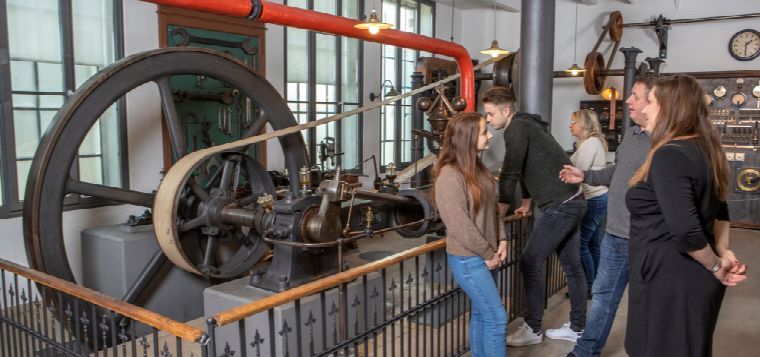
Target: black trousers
x=557, y=230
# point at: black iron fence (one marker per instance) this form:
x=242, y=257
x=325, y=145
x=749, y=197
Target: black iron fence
x=403, y=305
x=41, y=315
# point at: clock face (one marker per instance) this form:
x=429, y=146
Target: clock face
x=745, y=45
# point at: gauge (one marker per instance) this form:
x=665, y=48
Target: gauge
x=748, y=179
x=708, y=100
x=719, y=91
x=738, y=99
x=756, y=91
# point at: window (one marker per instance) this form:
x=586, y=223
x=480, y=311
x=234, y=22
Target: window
x=397, y=66
x=323, y=76
x=53, y=47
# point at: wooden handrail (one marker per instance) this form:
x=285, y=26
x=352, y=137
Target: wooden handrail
x=181, y=330
x=240, y=312
x=252, y=308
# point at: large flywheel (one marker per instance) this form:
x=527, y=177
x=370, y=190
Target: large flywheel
x=200, y=202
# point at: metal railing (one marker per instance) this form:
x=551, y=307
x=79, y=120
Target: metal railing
x=41, y=315
x=404, y=305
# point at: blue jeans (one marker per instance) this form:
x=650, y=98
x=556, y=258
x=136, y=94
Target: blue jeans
x=591, y=235
x=488, y=318
x=608, y=289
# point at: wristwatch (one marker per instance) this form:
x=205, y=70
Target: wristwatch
x=717, y=266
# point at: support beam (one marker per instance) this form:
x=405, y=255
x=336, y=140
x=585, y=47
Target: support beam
x=537, y=62
x=630, y=54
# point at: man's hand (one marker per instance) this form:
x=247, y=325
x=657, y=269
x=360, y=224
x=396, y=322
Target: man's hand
x=494, y=262
x=571, y=174
x=524, y=209
x=502, y=251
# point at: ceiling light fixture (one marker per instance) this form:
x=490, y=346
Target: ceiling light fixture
x=373, y=24
x=575, y=69
x=494, y=50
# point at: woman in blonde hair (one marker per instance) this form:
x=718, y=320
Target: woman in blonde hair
x=465, y=195
x=680, y=264
x=590, y=154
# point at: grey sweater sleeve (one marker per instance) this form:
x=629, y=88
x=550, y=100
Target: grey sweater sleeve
x=601, y=177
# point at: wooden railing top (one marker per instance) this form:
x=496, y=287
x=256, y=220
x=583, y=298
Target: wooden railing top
x=261, y=305
x=137, y=313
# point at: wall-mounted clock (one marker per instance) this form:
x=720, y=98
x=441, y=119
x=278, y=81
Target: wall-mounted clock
x=745, y=45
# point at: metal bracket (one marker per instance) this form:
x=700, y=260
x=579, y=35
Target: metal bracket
x=661, y=27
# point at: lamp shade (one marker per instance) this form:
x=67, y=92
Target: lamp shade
x=575, y=70
x=494, y=50
x=373, y=24
x=610, y=93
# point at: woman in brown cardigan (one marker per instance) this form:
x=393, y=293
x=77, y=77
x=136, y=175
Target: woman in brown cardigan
x=465, y=194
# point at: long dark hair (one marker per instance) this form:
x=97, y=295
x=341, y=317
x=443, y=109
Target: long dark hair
x=460, y=142
x=683, y=113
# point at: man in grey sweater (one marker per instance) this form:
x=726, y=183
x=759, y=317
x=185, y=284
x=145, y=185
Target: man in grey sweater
x=533, y=158
x=612, y=274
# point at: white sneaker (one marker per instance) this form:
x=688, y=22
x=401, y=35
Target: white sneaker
x=564, y=333
x=524, y=336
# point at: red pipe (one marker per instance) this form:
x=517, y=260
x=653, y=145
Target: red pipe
x=284, y=15
x=235, y=8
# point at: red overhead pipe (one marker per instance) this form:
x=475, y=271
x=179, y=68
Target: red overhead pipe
x=284, y=15
x=235, y=8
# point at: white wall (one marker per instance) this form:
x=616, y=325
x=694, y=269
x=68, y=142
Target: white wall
x=691, y=47
x=694, y=47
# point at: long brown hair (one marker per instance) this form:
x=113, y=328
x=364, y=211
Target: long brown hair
x=460, y=141
x=683, y=113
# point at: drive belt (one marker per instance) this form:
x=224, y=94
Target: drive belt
x=167, y=197
x=596, y=71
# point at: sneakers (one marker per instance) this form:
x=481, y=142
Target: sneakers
x=564, y=333
x=524, y=336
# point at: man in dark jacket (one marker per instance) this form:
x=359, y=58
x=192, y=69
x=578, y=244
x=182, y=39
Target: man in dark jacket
x=533, y=158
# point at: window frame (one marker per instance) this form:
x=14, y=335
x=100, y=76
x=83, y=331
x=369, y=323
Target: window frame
x=398, y=82
x=11, y=204
x=312, y=103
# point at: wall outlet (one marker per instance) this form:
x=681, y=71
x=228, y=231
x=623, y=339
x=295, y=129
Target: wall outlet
x=730, y=156
x=739, y=156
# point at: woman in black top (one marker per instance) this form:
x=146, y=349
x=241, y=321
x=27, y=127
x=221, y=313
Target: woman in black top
x=679, y=261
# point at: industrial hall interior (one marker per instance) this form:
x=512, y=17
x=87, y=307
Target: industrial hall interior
x=379, y=178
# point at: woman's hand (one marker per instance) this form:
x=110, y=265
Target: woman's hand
x=502, y=251
x=731, y=272
x=729, y=254
x=494, y=262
